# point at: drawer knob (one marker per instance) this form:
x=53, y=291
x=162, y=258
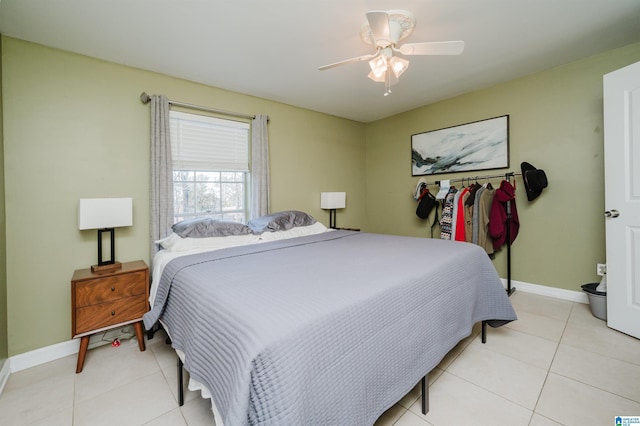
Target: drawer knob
x=113, y=313
x=113, y=288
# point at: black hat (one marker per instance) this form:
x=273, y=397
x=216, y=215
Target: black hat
x=534, y=180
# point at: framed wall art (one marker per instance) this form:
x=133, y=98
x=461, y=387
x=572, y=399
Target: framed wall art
x=480, y=145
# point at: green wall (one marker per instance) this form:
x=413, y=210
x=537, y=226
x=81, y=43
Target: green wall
x=3, y=240
x=556, y=124
x=74, y=127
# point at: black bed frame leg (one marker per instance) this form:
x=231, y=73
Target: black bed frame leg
x=152, y=331
x=484, y=332
x=180, y=385
x=425, y=394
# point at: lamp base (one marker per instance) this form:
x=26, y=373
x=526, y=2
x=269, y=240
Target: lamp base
x=332, y=218
x=101, y=269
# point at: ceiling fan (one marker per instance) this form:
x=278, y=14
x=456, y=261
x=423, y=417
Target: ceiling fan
x=384, y=30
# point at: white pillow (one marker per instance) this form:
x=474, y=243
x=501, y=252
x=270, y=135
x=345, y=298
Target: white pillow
x=175, y=242
x=298, y=231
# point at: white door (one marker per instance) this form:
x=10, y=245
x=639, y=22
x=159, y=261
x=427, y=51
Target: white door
x=622, y=197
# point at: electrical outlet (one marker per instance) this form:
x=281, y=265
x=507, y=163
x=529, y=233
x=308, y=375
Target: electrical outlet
x=601, y=269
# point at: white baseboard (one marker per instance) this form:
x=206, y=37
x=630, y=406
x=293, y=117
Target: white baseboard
x=5, y=371
x=70, y=347
x=43, y=355
x=543, y=290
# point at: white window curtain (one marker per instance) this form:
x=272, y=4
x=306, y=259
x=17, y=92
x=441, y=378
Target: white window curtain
x=259, y=166
x=161, y=196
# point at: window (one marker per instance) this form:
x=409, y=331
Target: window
x=210, y=167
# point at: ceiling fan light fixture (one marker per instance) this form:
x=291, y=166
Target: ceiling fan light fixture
x=378, y=65
x=378, y=78
x=384, y=30
x=399, y=65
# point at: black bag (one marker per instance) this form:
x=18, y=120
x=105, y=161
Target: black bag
x=426, y=203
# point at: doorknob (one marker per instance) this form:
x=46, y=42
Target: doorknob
x=612, y=213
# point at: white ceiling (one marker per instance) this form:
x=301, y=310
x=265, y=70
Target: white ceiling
x=272, y=49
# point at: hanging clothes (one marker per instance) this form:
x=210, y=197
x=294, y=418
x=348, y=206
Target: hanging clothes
x=460, y=216
x=469, y=203
x=447, y=214
x=476, y=213
x=472, y=194
x=447, y=211
x=498, y=215
x=454, y=213
x=482, y=211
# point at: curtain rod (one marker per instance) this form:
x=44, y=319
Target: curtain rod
x=144, y=98
x=506, y=175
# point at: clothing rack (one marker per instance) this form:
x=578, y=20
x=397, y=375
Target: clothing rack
x=507, y=176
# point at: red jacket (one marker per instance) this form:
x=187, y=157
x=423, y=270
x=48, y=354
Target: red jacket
x=498, y=215
x=460, y=217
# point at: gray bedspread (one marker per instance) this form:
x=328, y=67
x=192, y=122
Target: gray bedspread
x=329, y=329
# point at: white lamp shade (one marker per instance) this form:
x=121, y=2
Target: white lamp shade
x=333, y=200
x=100, y=213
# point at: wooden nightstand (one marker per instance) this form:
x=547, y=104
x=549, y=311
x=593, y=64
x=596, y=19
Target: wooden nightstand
x=103, y=301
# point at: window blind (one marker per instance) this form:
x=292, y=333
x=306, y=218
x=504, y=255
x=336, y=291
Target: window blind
x=205, y=143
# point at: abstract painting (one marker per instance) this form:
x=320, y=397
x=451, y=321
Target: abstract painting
x=481, y=145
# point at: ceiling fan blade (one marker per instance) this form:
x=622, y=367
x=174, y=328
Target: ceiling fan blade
x=433, y=48
x=379, y=24
x=349, y=61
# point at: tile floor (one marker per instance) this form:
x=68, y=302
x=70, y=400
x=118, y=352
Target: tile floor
x=556, y=365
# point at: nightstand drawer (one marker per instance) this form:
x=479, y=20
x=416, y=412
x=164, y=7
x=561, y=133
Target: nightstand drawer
x=110, y=288
x=94, y=317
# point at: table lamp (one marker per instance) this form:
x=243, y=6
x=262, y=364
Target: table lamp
x=332, y=201
x=105, y=214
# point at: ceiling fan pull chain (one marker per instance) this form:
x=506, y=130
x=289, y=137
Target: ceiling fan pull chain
x=387, y=82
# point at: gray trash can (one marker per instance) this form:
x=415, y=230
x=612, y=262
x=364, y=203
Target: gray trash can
x=597, y=300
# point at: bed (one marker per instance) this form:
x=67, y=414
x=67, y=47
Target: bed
x=319, y=328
